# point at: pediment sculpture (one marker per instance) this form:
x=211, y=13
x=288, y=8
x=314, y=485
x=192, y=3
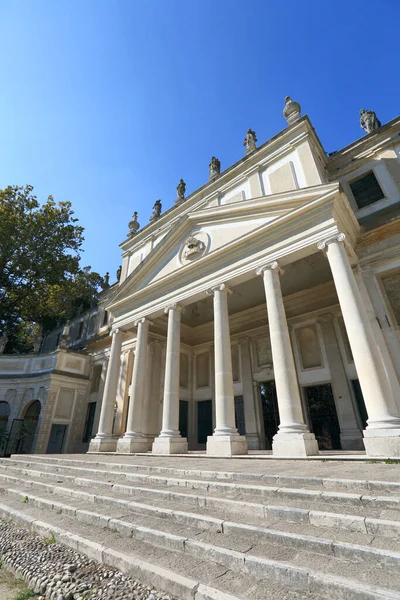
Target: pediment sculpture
x=193, y=248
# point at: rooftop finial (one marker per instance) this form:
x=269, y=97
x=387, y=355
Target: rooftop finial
x=292, y=110
x=134, y=225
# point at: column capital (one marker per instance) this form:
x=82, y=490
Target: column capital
x=115, y=331
x=221, y=287
x=273, y=266
x=175, y=306
x=245, y=339
x=337, y=237
x=143, y=321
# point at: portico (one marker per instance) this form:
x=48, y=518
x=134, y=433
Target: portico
x=248, y=325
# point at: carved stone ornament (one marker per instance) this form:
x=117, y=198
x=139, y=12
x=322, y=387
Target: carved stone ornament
x=250, y=141
x=134, y=225
x=369, y=121
x=292, y=110
x=214, y=167
x=156, y=211
x=181, y=189
x=193, y=248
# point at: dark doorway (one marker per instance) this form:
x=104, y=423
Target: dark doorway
x=322, y=416
x=239, y=415
x=183, y=417
x=56, y=439
x=270, y=411
x=204, y=421
x=360, y=402
x=87, y=433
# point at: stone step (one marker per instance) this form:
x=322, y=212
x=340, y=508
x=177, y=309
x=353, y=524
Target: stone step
x=127, y=517
x=305, y=571
x=367, y=506
x=331, y=483
x=285, y=494
x=250, y=512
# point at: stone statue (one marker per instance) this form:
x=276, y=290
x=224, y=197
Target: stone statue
x=215, y=168
x=250, y=141
x=3, y=342
x=106, y=281
x=37, y=342
x=133, y=225
x=181, y=189
x=369, y=121
x=119, y=272
x=64, y=337
x=291, y=112
x=156, y=211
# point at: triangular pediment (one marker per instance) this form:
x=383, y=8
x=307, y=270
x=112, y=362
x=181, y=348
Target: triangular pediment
x=207, y=230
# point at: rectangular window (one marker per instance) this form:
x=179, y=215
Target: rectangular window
x=391, y=284
x=80, y=331
x=96, y=376
x=87, y=435
x=366, y=190
x=105, y=319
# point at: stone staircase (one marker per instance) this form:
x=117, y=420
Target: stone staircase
x=219, y=529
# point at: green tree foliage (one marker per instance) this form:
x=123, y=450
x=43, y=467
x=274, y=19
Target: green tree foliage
x=41, y=282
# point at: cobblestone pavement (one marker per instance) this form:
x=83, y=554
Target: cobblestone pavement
x=55, y=572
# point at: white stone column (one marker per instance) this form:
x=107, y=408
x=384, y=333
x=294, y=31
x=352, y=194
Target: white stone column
x=382, y=435
x=134, y=440
x=170, y=440
x=104, y=440
x=226, y=440
x=293, y=437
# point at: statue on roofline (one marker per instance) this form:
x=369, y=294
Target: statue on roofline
x=250, y=141
x=181, y=189
x=133, y=225
x=215, y=167
x=369, y=121
x=156, y=211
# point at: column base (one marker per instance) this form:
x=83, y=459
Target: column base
x=293, y=445
x=131, y=445
x=108, y=444
x=383, y=443
x=351, y=440
x=226, y=445
x=170, y=445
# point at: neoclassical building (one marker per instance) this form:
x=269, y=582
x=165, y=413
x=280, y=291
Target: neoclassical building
x=263, y=310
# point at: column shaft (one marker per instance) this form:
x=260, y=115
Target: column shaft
x=382, y=436
x=226, y=440
x=293, y=437
x=104, y=440
x=133, y=440
x=170, y=440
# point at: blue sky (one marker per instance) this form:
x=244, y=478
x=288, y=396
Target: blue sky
x=108, y=103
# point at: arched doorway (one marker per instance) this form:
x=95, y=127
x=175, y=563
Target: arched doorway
x=4, y=415
x=28, y=427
